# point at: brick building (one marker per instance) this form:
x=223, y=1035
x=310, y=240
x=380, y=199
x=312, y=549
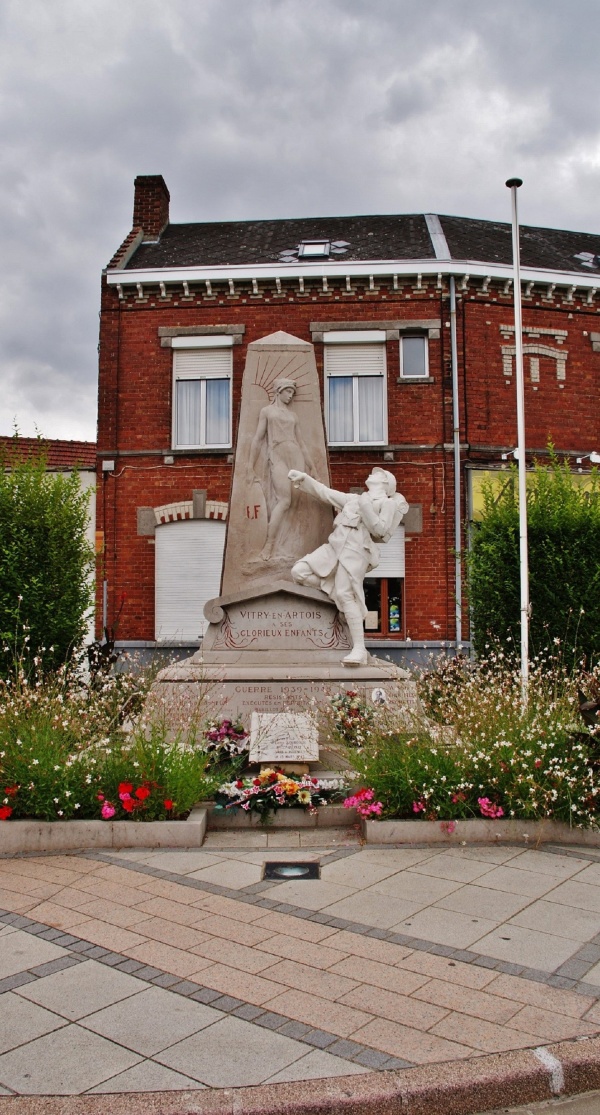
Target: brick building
x=411, y=317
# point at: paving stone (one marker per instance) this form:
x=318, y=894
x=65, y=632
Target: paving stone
x=82, y=990
x=80, y=946
x=183, y=987
x=227, y=1003
x=151, y=1021
x=508, y=969
x=64, y=1062
x=345, y=1048
x=561, y=981
x=232, y=1053
x=397, y=1063
x=271, y=1021
x=111, y=959
x=372, y=1059
x=164, y=979
x=203, y=995
x=295, y=1030
x=66, y=940
x=320, y=1038
x=573, y=969
x=249, y=1013
x=19, y=979
x=150, y=974
x=130, y=966
x=54, y=966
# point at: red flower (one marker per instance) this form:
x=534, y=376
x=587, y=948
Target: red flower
x=142, y=792
x=99, y=797
x=168, y=804
x=128, y=805
x=256, y=781
x=11, y=790
x=273, y=777
x=239, y=784
x=125, y=787
x=5, y=812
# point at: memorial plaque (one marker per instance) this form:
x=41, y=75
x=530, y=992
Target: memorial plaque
x=283, y=737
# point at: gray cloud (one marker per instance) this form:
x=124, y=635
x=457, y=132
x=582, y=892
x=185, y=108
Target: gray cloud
x=259, y=108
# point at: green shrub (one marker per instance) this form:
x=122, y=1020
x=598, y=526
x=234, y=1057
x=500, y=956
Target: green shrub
x=564, y=571
x=45, y=562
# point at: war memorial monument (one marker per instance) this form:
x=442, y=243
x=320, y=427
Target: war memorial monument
x=286, y=631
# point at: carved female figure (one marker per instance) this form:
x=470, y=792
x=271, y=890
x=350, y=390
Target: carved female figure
x=279, y=431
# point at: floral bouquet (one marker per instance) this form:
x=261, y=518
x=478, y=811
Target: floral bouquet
x=272, y=789
x=224, y=739
x=351, y=715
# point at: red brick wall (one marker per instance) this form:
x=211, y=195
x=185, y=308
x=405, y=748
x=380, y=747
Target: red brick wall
x=135, y=416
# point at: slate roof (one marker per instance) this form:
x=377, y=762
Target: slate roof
x=61, y=455
x=360, y=239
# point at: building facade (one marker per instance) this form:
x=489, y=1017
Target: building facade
x=411, y=317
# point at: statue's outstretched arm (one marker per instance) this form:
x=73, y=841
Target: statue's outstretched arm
x=317, y=490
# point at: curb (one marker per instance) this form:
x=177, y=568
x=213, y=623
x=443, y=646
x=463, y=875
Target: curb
x=467, y=1087
x=17, y=837
x=478, y=830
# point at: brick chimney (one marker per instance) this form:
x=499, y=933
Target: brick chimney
x=151, y=205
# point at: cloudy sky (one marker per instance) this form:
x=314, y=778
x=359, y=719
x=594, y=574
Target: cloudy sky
x=264, y=108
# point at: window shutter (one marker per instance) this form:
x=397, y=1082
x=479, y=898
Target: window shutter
x=391, y=563
x=189, y=557
x=202, y=362
x=348, y=360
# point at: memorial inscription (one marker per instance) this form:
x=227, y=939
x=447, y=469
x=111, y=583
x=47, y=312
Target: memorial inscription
x=283, y=737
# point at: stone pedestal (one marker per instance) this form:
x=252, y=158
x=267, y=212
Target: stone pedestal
x=277, y=651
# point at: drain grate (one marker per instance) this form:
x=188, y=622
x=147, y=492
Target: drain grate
x=294, y=870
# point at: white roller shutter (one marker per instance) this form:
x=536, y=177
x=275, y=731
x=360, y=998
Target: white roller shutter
x=189, y=557
x=391, y=562
x=355, y=359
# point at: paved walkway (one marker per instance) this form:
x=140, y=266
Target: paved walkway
x=139, y=971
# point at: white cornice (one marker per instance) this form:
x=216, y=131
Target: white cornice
x=462, y=269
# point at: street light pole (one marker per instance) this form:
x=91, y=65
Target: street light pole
x=513, y=185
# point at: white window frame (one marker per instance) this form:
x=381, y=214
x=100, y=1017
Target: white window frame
x=351, y=338
x=223, y=370
x=409, y=337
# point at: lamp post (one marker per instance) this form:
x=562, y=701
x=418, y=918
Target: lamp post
x=513, y=185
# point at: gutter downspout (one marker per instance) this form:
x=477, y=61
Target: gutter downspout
x=456, y=439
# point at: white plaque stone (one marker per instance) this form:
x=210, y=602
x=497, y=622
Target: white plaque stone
x=283, y=737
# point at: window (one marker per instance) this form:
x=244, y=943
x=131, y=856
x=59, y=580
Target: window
x=384, y=591
x=202, y=370
x=313, y=249
x=355, y=388
x=414, y=357
x=383, y=597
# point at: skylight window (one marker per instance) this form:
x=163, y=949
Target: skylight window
x=313, y=249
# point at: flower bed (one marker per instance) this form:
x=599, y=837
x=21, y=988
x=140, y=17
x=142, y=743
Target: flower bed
x=480, y=753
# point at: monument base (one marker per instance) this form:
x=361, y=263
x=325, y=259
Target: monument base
x=194, y=691
x=278, y=651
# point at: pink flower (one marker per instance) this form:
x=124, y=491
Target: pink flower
x=418, y=806
x=124, y=796
x=107, y=810
x=489, y=808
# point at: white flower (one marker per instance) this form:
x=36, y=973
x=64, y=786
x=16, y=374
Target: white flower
x=35, y=762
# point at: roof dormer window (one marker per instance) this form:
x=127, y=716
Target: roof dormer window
x=313, y=249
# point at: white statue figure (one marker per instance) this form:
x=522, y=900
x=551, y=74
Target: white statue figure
x=341, y=564
x=279, y=427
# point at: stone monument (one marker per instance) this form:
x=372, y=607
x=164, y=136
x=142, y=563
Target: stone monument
x=286, y=631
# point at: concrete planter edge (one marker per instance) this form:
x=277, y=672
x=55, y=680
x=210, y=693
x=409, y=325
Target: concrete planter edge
x=477, y=830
